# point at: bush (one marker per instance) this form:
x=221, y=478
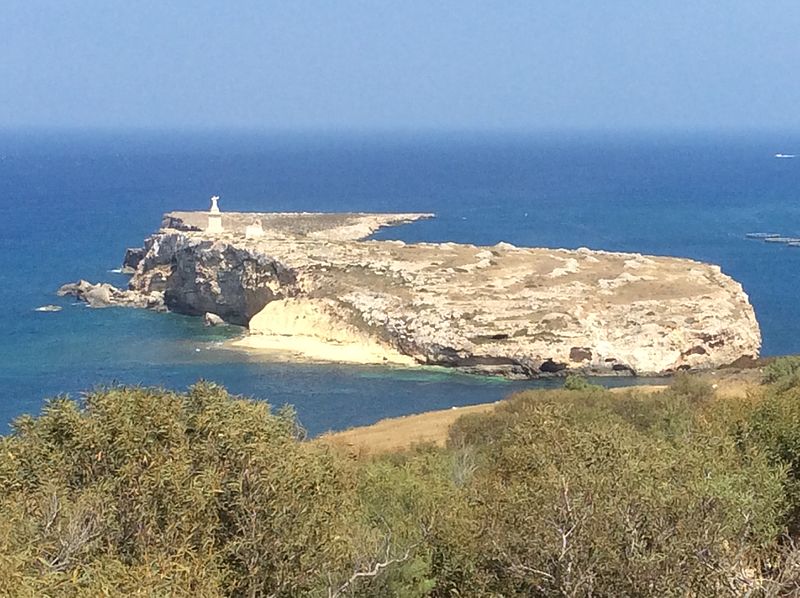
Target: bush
x=604, y=495
x=783, y=373
x=164, y=493
x=576, y=382
x=417, y=513
x=774, y=428
x=563, y=492
x=692, y=389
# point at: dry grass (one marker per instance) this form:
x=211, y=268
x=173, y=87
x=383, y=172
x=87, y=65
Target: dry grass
x=402, y=433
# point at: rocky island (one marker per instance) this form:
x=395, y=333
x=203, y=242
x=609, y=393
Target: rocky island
x=314, y=285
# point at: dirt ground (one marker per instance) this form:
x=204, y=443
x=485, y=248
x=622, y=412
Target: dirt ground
x=402, y=433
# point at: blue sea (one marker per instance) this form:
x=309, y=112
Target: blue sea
x=71, y=202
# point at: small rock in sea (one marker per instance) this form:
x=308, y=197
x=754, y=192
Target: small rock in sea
x=210, y=319
x=48, y=308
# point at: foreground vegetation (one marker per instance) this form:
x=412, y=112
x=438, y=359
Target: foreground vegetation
x=577, y=492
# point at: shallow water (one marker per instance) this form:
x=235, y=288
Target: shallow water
x=70, y=203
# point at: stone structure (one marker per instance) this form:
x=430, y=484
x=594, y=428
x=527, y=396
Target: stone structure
x=254, y=231
x=518, y=312
x=214, y=217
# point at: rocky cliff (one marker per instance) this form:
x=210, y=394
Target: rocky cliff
x=502, y=310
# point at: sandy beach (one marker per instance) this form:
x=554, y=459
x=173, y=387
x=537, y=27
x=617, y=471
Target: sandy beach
x=311, y=330
x=309, y=348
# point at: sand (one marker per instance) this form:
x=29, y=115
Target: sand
x=312, y=349
x=311, y=330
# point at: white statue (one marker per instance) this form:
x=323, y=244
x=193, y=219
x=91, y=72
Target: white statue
x=214, y=206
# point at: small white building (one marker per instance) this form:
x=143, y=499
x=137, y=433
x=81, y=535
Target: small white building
x=254, y=231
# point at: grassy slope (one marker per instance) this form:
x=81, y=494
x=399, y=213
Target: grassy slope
x=402, y=433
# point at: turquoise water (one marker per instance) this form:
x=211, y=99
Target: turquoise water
x=70, y=203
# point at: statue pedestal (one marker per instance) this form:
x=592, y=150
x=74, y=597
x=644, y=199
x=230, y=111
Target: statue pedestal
x=214, y=222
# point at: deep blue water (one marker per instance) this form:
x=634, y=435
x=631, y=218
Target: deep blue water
x=70, y=203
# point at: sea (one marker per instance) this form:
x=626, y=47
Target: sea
x=72, y=201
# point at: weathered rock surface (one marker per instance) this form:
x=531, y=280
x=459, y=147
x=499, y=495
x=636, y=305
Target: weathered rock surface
x=133, y=255
x=210, y=319
x=106, y=295
x=503, y=310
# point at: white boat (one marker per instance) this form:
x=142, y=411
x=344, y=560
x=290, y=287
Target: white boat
x=762, y=235
x=784, y=155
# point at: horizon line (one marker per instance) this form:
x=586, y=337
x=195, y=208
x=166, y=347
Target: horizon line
x=393, y=130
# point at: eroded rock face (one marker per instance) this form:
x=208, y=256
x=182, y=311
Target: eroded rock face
x=505, y=310
x=133, y=255
x=222, y=279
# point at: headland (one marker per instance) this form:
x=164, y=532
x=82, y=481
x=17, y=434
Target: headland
x=313, y=285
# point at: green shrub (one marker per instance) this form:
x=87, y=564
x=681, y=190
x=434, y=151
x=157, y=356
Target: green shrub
x=595, y=495
x=170, y=493
x=783, y=373
x=774, y=428
x=692, y=389
x=413, y=507
x=554, y=493
x=577, y=382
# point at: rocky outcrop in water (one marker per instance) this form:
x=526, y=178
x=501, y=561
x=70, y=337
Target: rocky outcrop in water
x=106, y=295
x=505, y=310
x=210, y=319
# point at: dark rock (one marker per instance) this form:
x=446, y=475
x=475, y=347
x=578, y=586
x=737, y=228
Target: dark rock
x=487, y=338
x=745, y=362
x=173, y=222
x=621, y=368
x=225, y=280
x=697, y=350
x=510, y=371
x=551, y=367
x=580, y=354
x=447, y=356
x=133, y=256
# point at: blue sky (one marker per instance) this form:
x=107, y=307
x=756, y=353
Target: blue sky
x=407, y=64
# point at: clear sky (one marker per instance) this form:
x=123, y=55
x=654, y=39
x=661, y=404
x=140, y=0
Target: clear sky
x=405, y=64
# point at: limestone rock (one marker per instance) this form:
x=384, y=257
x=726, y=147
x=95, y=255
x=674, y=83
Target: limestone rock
x=98, y=295
x=512, y=311
x=106, y=295
x=210, y=319
x=220, y=278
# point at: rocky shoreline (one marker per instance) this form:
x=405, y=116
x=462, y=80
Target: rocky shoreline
x=501, y=310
